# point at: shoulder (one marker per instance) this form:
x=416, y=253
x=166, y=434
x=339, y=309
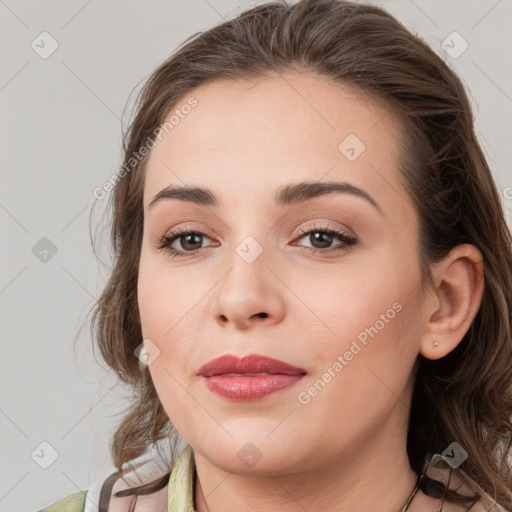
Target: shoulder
x=72, y=503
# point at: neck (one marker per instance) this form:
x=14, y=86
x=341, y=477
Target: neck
x=373, y=475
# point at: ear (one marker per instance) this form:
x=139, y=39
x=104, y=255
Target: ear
x=453, y=303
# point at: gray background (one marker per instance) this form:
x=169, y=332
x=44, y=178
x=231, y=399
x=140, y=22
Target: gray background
x=60, y=138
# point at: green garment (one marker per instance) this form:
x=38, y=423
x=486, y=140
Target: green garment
x=180, y=494
x=73, y=503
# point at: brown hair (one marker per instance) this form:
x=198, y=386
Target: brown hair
x=465, y=396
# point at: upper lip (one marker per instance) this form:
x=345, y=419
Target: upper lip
x=248, y=364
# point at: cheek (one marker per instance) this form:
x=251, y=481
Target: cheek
x=363, y=302
x=172, y=311
x=364, y=375
x=367, y=338
x=177, y=401
x=165, y=297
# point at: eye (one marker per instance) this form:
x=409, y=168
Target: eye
x=189, y=239
x=321, y=238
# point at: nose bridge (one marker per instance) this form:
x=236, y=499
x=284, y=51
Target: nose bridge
x=249, y=290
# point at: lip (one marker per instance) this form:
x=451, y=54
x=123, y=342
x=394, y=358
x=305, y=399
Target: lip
x=232, y=377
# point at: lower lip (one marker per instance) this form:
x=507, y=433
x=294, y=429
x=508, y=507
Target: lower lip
x=249, y=388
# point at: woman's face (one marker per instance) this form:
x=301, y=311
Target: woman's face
x=349, y=315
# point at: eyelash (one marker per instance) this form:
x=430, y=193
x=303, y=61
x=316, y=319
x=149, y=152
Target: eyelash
x=164, y=243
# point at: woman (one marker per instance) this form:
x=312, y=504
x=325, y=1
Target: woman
x=312, y=282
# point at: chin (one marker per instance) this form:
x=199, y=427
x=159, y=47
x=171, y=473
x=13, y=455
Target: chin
x=258, y=456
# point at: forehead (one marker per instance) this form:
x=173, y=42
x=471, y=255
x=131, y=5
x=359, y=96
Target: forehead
x=250, y=137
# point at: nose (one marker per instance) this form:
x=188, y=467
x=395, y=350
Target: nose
x=248, y=295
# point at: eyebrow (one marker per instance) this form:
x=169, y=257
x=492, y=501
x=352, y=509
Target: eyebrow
x=291, y=194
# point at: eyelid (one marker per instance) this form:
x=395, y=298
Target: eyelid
x=187, y=228
x=326, y=225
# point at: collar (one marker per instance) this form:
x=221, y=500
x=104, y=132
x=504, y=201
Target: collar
x=180, y=490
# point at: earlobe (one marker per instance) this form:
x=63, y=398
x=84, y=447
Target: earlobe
x=455, y=301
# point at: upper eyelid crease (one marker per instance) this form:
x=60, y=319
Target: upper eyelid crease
x=286, y=195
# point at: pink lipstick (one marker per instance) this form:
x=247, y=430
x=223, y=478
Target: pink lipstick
x=250, y=377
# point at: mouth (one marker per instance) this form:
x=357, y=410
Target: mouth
x=250, y=377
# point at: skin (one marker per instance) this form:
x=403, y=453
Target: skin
x=345, y=448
